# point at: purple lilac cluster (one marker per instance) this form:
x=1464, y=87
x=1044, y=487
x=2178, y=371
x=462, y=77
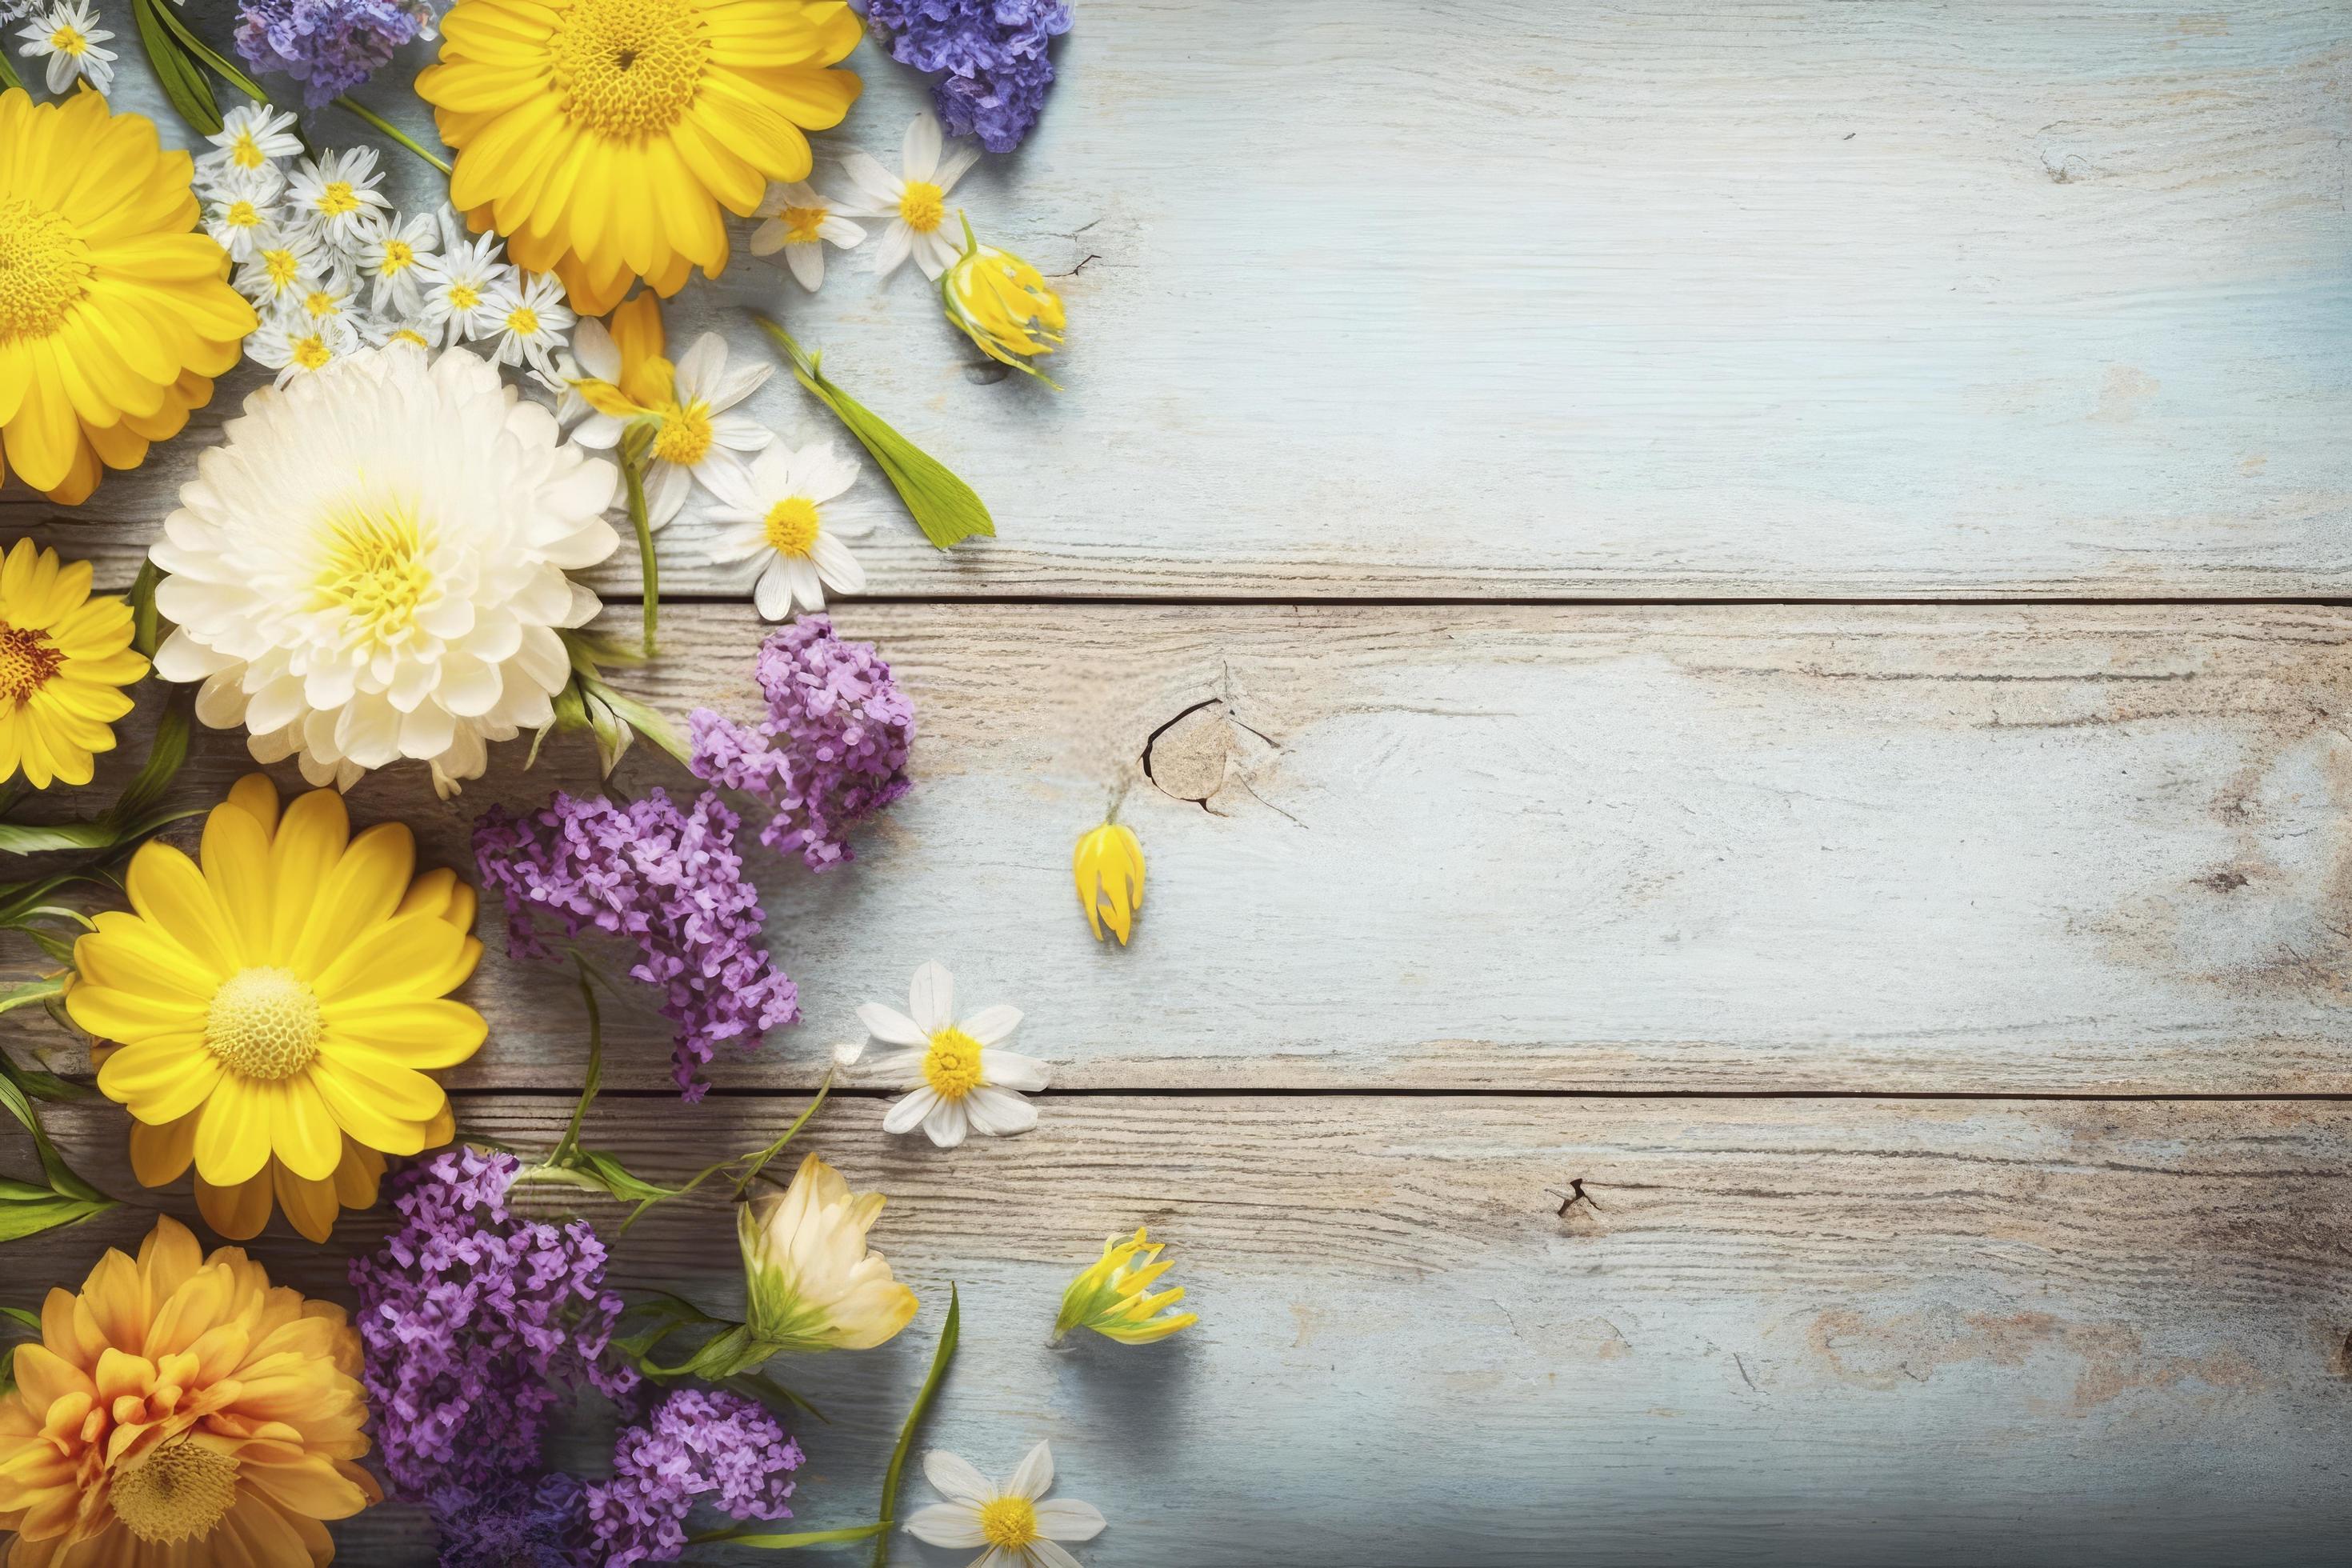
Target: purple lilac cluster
x=538, y=1521
x=668, y=879
x=329, y=46
x=994, y=55
x=697, y=1443
x=831, y=751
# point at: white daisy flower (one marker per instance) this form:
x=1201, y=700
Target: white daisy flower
x=283, y=270
x=530, y=324
x=378, y=331
x=697, y=437
x=250, y=135
x=331, y=301
x=391, y=253
x=334, y=196
x=69, y=35
x=915, y=199
x=780, y=511
x=463, y=286
x=293, y=344
x=801, y=223
x=374, y=564
x=960, y=1081
x=1019, y=1531
x=241, y=215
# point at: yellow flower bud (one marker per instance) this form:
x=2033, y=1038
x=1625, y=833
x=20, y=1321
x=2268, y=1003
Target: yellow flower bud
x=811, y=1284
x=1109, y=1295
x=1003, y=304
x=1107, y=867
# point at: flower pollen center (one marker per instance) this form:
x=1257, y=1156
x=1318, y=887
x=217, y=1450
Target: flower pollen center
x=1009, y=1522
x=523, y=320
x=375, y=573
x=311, y=352
x=243, y=214
x=319, y=303
x=952, y=1067
x=67, y=41
x=628, y=68
x=923, y=206
x=792, y=526
x=685, y=435
x=464, y=296
x=244, y=153
x=263, y=1023
x=180, y=1492
x=44, y=269
x=28, y=661
x=397, y=254
x=801, y=225
x=283, y=266
x=337, y=199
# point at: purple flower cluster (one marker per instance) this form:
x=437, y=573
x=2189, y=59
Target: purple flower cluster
x=694, y=1443
x=329, y=46
x=537, y=1521
x=831, y=751
x=994, y=55
x=670, y=881
x=476, y=1325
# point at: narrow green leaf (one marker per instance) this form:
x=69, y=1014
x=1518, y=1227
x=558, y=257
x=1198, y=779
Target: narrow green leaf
x=63, y=1181
x=147, y=629
x=646, y=722
x=759, y=1162
x=24, y=1316
x=8, y=78
x=367, y=116
x=165, y=752
x=136, y=813
x=40, y=1085
x=24, y=992
x=760, y=1386
x=787, y=1543
x=177, y=72
x=940, y=1359
x=43, y=1211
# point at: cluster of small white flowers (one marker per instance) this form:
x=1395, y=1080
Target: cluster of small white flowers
x=331, y=269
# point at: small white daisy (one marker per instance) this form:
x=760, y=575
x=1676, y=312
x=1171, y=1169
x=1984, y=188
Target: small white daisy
x=1018, y=1530
x=241, y=213
x=329, y=300
x=782, y=510
x=69, y=35
x=250, y=135
x=914, y=200
x=334, y=197
x=960, y=1083
x=464, y=284
x=392, y=252
x=801, y=222
x=292, y=344
x=697, y=438
x=282, y=269
x=530, y=323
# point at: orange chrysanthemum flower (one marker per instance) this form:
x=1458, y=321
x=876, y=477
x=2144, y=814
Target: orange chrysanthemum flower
x=181, y=1411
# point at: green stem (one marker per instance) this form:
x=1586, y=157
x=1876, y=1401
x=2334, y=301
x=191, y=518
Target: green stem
x=595, y=1078
x=940, y=1359
x=786, y=1542
x=361, y=111
x=648, y=565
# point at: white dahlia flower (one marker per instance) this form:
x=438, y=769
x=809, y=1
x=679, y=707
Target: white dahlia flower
x=372, y=566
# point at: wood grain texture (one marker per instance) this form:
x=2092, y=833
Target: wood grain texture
x=1394, y=297
x=1774, y=1332
x=2053, y=849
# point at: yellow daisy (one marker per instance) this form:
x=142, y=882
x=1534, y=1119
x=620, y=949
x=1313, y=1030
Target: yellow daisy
x=115, y=309
x=183, y=1411
x=65, y=659
x=272, y=1005
x=603, y=137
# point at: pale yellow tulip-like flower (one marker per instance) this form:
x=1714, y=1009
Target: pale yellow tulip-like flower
x=1107, y=867
x=811, y=1284
x=1003, y=305
x=1109, y=1297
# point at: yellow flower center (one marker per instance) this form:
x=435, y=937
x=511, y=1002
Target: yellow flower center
x=924, y=206
x=44, y=269
x=263, y=1023
x=409, y=335
x=397, y=254
x=1009, y=1522
x=244, y=153
x=280, y=267
x=337, y=199
x=792, y=525
x=801, y=225
x=376, y=571
x=685, y=434
x=523, y=320
x=464, y=296
x=628, y=68
x=178, y=1494
x=311, y=353
x=322, y=304
x=67, y=41
x=242, y=214
x=952, y=1067
x=28, y=662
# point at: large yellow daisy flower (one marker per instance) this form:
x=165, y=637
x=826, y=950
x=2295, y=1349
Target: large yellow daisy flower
x=273, y=1005
x=65, y=659
x=115, y=309
x=181, y=1411
x=602, y=137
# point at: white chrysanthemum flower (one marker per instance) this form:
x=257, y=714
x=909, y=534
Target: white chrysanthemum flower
x=372, y=566
x=69, y=35
x=1018, y=1530
x=914, y=200
x=530, y=324
x=250, y=136
x=783, y=511
x=392, y=254
x=333, y=198
x=294, y=344
x=241, y=213
x=282, y=270
x=801, y=223
x=464, y=285
x=960, y=1083
x=695, y=438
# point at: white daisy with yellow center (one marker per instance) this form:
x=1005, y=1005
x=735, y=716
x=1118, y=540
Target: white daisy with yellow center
x=801, y=222
x=697, y=437
x=297, y=343
x=530, y=324
x=282, y=269
x=785, y=513
x=334, y=197
x=958, y=1081
x=1018, y=1525
x=68, y=35
x=391, y=254
x=464, y=285
x=252, y=135
x=242, y=212
x=914, y=200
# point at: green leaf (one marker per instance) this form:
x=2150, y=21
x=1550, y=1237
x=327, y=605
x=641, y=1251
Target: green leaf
x=181, y=76
x=35, y=1210
x=147, y=629
x=38, y=1084
x=760, y=1386
x=24, y=992
x=136, y=813
x=8, y=78
x=946, y=509
x=63, y=1182
x=8, y=1360
x=940, y=1359
x=25, y=1316
x=787, y=1543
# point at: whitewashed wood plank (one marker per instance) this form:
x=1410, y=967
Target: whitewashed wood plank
x=1632, y=299
x=1730, y=848
x=1774, y=1332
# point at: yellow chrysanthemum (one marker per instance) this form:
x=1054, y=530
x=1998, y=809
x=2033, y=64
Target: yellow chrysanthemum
x=603, y=137
x=181, y=1411
x=272, y=1007
x=65, y=659
x=115, y=309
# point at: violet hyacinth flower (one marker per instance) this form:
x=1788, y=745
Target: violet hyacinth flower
x=329, y=46
x=832, y=751
x=994, y=55
x=668, y=879
x=696, y=1444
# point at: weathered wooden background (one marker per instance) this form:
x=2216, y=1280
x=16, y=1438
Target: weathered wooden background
x=1736, y=609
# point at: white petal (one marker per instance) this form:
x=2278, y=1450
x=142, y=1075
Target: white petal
x=935, y=252
x=699, y=372
x=947, y=1524
x=836, y=566
x=960, y=158
x=1067, y=1518
x=772, y=594
x=931, y=999
x=807, y=587
x=740, y=542
x=918, y=154
x=806, y=262
x=999, y=1113
x=955, y=1478
x=907, y=1114
x=891, y=1027
x=1011, y=1070
x=947, y=1123
x=841, y=231
x=1045, y=1554
x=1035, y=1478
x=667, y=488
x=898, y=243
x=992, y=1025
x=876, y=190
